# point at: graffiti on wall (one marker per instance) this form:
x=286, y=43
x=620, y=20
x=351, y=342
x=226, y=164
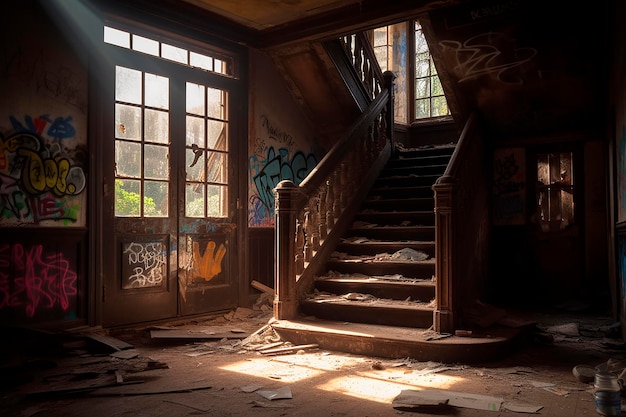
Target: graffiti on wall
x=144, y=264
x=39, y=178
x=270, y=165
x=509, y=186
x=488, y=54
x=34, y=279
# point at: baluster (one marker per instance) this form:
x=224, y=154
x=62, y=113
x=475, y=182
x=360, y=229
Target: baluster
x=323, y=229
x=330, y=203
x=299, y=247
x=358, y=58
x=307, y=234
x=315, y=224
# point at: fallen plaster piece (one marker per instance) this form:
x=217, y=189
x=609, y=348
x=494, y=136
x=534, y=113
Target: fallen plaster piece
x=414, y=398
x=522, y=408
x=283, y=393
x=251, y=388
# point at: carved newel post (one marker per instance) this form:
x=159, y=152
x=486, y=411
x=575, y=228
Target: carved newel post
x=285, y=301
x=444, y=317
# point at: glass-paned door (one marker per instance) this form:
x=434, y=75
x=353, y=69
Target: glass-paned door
x=169, y=221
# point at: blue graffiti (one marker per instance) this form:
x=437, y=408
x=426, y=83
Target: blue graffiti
x=60, y=128
x=278, y=167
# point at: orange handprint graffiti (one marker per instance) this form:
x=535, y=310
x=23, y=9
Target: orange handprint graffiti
x=209, y=264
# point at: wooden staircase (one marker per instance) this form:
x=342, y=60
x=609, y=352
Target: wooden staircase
x=383, y=270
x=377, y=295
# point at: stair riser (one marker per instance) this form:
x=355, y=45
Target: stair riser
x=407, y=181
x=380, y=347
x=409, y=270
x=368, y=314
x=386, y=233
x=426, y=204
x=425, y=152
x=419, y=161
x=426, y=219
x=437, y=170
x=411, y=192
x=373, y=248
x=393, y=292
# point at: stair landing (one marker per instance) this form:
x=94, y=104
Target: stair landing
x=395, y=342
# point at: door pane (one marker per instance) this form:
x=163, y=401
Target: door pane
x=206, y=154
x=127, y=122
x=156, y=162
x=128, y=85
x=141, y=154
x=157, y=126
x=157, y=91
x=127, y=197
x=128, y=159
x=156, y=199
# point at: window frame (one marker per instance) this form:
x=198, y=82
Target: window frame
x=409, y=114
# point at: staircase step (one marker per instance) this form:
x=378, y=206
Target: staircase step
x=413, y=170
x=434, y=159
x=406, y=218
x=425, y=151
x=420, y=233
x=406, y=181
x=402, y=204
x=386, y=312
x=373, y=247
x=396, y=289
x=410, y=269
x=398, y=342
x=413, y=192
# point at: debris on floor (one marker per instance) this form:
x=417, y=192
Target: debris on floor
x=431, y=399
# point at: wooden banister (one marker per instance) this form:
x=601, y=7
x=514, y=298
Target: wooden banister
x=461, y=228
x=310, y=217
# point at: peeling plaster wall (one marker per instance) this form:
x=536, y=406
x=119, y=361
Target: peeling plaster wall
x=282, y=140
x=43, y=170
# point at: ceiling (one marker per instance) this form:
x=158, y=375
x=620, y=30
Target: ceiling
x=266, y=14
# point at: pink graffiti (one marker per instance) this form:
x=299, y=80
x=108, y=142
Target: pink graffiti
x=31, y=280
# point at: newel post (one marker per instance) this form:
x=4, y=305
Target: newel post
x=285, y=301
x=389, y=78
x=443, y=316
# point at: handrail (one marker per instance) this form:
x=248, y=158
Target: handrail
x=330, y=160
x=460, y=150
x=310, y=217
x=461, y=228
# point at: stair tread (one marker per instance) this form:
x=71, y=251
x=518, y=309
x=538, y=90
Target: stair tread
x=374, y=303
x=392, y=227
x=398, y=281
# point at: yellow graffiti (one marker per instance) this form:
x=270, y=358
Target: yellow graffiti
x=40, y=175
x=209, y=264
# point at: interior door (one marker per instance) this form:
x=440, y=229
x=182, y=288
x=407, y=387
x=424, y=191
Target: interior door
x=169, y=215
x=557, y=225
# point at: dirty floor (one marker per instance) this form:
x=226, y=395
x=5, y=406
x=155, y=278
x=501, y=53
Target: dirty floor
x=234, y=365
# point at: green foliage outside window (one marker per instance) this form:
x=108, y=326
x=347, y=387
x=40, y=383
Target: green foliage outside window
x=127, y=203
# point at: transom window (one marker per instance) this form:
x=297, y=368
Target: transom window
x=168, y=51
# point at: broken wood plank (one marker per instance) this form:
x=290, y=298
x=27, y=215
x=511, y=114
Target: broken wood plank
x=262, y=287
x=112, y=342
x=207, y=333
x=288, y=349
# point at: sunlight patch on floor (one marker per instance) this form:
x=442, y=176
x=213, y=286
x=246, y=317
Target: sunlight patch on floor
x=382, y=387
x=282, y=371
